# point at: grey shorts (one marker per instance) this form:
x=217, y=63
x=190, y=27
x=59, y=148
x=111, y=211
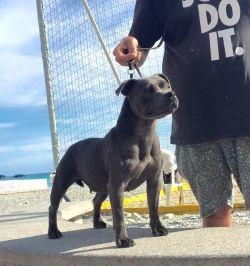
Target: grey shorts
x=208, y=167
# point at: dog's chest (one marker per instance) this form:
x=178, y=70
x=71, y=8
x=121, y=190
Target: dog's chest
x=146, y=168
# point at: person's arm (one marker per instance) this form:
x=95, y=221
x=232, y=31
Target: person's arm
x=146, y=27
x=145, y=31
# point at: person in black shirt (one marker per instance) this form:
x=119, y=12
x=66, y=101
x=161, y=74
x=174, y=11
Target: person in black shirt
x=207, y=59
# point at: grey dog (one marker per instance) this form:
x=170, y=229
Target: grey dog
x=121, y=161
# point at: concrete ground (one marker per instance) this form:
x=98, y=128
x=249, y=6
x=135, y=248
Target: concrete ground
x=23, y=241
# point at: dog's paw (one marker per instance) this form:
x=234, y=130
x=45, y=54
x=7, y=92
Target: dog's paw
x=159, y=230
x=99, y=224
x=125, y=242
x=54, y=233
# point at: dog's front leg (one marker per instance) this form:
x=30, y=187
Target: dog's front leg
x=116, y=200
x=153, y=192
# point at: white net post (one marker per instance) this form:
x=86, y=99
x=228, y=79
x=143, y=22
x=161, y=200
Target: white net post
x=48, y=84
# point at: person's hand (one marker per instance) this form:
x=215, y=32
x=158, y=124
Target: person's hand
x=130, y=44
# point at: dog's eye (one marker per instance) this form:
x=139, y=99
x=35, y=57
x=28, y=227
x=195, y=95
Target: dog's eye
x=149, y=89
x=162, y=85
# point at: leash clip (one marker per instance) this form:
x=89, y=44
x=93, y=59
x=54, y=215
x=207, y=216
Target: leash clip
x=132, y=66
x=131, y=70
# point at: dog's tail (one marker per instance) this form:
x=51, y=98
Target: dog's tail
x=80, y=183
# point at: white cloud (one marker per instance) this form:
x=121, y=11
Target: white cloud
x=21, y=76
x=7, y=125
x=18, y=23
x=18, y=72
x=35, y=146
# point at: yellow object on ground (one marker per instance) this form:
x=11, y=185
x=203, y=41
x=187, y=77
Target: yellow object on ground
x=178, y=205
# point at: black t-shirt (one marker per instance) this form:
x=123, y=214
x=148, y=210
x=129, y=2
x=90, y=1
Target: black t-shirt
x=207, y=59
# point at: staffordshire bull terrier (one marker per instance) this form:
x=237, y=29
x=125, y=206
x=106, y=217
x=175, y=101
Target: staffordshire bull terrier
x=121, y=161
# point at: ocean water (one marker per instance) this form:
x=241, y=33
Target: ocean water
x=31, y=177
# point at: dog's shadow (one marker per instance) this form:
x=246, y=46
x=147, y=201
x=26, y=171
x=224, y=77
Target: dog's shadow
x=86, y=240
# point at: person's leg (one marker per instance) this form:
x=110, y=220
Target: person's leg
x=221, y=218
x=230, y=150
x=209, y=176
x=243, y=156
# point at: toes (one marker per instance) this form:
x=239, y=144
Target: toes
x=54, y=234
x=163, y=231
x=159, y=231
x=155, y=232
x=100, y=225
x=125, y=242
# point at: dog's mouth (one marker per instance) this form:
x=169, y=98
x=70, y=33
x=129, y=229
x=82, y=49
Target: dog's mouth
x=171, y=108
x=160, y=114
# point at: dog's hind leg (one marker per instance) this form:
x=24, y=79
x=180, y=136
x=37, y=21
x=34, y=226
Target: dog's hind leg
x=60, y=185
x=97, y=218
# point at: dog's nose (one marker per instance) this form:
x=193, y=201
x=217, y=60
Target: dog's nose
x=171, y=95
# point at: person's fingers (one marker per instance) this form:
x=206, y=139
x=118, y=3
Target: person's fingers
x=142, y=56
x=132, y=45
x=138, y=57
x=125, y=58
x=122, y=63
x=126, y=50
x=119, y=53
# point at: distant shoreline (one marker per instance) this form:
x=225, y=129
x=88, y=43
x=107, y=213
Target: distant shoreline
x=43, y=176
x=3, y=176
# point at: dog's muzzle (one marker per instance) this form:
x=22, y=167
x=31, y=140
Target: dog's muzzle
x=173, y=98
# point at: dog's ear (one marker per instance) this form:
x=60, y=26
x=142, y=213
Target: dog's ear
x=165, y=78
x=162, y=76
x=125, y=87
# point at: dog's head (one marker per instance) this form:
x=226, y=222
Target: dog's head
x=150, y=98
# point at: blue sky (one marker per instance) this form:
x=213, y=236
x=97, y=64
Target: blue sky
x=25, y=145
